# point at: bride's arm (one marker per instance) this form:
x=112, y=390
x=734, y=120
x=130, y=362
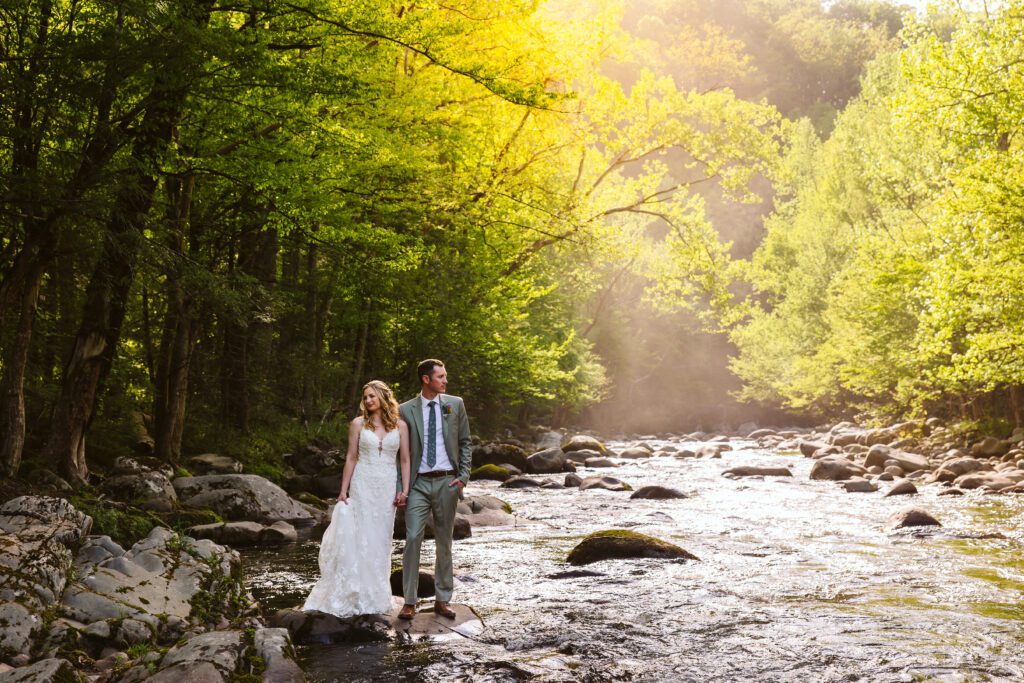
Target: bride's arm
x=350, y=457
x=403, y=458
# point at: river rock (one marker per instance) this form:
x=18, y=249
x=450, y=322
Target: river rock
x=311, y=459
x=242, y=534
x=951, y=492
x=959, y=466
x=902, y=488
x=212, y=463
x=761, y=433
x=274, y=647
x=157, y=582
x=149, y=490
x=600, y=462
x=991, y=447
x=319, y=628
x=220, y=648
x=941, y=475
x=634, y=453
x=499, y=453
x=37, y=538
x=548, y=438
x=606, y=483
x=489, y=472
x=656, y=493
x=809, y=448
x=858, y=485
x=908, y=462
x=620, y=544
x=43, y=671
x=520, y=483
x=549, y=461
x=462, y=529
x=241, y=497
x=482, y=511
x=757, y=471
x=581, y=442
x=709, y=451
x=909, y=517
x=572, y=479
x=684, y=453
x=835, y=468
x=992, y=481
x=581, y=456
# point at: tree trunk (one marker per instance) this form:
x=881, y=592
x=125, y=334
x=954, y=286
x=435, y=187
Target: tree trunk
x=106, y=296
x=12, y=394
x=179, y=334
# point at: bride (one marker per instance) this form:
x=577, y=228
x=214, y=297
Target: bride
x=355, y=553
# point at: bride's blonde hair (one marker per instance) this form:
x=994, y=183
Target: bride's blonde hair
x=388, y=405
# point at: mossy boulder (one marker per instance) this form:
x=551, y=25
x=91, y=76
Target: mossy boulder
x=622, y=544
x=499, y=454
x=490, y=473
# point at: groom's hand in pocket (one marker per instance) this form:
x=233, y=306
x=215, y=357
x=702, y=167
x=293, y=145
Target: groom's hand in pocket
x=457, y=482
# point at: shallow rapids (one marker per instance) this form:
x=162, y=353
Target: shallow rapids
x=798, y=581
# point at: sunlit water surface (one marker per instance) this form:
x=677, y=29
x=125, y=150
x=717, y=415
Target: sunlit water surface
x=798, y=581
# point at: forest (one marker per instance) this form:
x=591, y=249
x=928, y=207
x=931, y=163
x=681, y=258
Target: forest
x=219, y=220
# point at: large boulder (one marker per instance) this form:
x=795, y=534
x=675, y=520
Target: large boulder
x=809, y=448
x=150, y=490
x=621, y=544
x=481, y=511
x=160, y=587
x=241, y=497
x=499, y=454
x=312, y=458
x=44, y=671
x=835, y=468
x=37, y=538
x=550, y=461
x=581, y=442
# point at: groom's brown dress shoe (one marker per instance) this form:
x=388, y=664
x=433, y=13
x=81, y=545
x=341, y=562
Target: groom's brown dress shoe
x=444, y=610
x=407, y=612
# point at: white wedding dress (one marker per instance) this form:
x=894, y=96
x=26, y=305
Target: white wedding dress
x=355, y=553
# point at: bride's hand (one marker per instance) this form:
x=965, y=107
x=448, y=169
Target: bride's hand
x=342, y=498
x=400, y=500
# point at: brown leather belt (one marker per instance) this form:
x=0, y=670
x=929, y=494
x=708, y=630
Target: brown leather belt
x=438, y=473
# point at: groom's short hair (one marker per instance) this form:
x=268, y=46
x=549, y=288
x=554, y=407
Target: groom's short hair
x=426, y=367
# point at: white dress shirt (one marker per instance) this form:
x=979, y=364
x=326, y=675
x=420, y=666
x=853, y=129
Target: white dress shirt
x=441, y=463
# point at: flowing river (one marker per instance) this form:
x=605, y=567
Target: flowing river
x=798, y=581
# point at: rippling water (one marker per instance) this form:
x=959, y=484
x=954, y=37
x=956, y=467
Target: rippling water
x=798, y=581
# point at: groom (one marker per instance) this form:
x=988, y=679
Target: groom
x=439, y=466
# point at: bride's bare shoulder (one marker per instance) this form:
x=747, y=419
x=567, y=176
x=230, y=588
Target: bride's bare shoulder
x=358, y=422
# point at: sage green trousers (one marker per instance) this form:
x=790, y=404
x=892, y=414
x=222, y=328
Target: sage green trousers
x=430, y=495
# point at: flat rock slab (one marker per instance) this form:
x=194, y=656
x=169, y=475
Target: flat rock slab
x=427, y=625
x=43, y=671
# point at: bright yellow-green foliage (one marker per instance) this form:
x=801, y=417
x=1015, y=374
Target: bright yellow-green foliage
x=893, y=278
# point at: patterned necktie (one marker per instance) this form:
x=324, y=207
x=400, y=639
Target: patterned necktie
x=432, y=436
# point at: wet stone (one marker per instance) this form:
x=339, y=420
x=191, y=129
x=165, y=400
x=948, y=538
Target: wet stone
x=621, y=544
x=657, y=493
x=911, y=517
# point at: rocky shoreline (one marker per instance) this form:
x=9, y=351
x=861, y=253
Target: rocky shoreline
x=76, y=605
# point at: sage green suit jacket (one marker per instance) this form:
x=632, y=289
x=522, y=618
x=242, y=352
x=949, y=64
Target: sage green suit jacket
x=454, y=428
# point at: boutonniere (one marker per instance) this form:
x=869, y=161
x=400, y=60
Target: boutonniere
x=446, y=409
